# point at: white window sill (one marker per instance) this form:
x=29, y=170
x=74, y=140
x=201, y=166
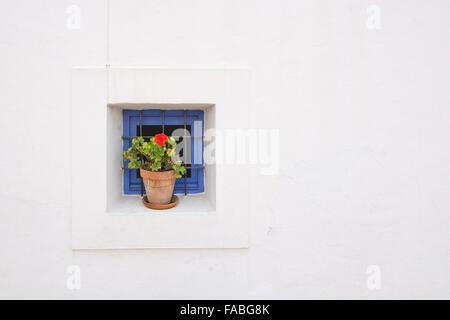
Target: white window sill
x=131, y=205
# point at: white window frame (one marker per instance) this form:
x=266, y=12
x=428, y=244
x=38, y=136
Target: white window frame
x=100, y=219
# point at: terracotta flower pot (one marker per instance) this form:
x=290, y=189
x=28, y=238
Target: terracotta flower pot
x=158, y=185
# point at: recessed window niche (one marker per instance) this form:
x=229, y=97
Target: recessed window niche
x=123, y=185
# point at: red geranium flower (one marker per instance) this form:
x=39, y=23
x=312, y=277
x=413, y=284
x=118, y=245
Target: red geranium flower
x=160, y=139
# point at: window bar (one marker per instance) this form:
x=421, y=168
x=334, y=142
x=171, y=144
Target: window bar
x=148, y=137
x=184, y=155
x=140, y=134
x=188, y=167
x=203, y=149
x=162, y=120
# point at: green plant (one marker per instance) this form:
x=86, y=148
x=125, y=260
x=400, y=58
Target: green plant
x=158, y=154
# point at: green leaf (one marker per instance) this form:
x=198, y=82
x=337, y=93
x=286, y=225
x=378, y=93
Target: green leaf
x=171, y=141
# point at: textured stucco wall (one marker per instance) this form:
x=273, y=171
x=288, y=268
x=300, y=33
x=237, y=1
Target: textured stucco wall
x=364, y=124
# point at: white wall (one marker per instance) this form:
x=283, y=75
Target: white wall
x=364, y=123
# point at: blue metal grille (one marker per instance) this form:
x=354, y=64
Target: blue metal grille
x=147, y=123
